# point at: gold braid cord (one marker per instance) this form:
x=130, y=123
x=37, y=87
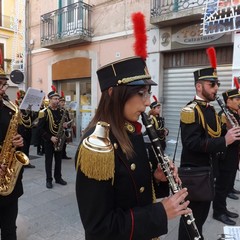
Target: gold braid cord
x=52, y=124
x=211, y=132
x=25, y=120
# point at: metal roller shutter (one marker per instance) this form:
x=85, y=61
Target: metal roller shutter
x=178, y=90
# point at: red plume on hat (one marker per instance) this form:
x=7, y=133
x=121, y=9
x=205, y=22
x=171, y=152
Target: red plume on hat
x=155, y=98
x=62, y=94
x=211, y=52
x=236, y=83
x=18, y=94
x=139, y=29
x=54, y=88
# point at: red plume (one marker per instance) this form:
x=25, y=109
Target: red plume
x=62, y=94
x=211, y=52
x=54, y=88
x=155, y=98
x=18, y=94
x=1, y=57
x=139, y=29
x=236, y=83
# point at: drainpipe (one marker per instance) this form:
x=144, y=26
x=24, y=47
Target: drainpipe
x=175, y=6
x=59, y=18
x=27, y=49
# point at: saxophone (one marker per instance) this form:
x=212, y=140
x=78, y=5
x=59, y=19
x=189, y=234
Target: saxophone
x=61, y=136
x=10, y=158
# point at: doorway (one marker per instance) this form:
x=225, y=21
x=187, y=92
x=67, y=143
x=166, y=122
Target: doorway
x=77, y=94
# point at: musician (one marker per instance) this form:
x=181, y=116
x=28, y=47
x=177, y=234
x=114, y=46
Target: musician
x=62, y=103
x=201, y=136
x=49, y=125
x=228, y=163
x=25, y=127
x=114, y=188
x=158, y=122
x=9, y=203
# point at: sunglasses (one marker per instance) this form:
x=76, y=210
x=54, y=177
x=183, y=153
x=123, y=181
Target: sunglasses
x=213, y=84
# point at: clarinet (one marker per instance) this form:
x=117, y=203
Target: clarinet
x=230, y=117
x=163, y=161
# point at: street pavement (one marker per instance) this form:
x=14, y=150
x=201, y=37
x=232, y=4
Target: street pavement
x=52, y=214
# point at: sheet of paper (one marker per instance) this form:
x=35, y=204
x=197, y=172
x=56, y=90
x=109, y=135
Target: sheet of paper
x=233, y=232
x=32, y=100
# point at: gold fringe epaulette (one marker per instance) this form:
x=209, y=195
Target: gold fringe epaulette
x=188, y=114
x=96, y=154
x=97, y=165
x=41, y=113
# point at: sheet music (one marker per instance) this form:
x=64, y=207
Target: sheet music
x=32, y=100
x=234, y=232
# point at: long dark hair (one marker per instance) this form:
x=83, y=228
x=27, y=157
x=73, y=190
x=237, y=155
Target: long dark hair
x=111, y=110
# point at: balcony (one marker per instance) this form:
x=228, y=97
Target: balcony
x=66, y=26
x=166, y=13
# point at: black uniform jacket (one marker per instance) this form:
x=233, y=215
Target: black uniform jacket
x=5, y=117
x=230, y=159
x=48, y=126
x=25, y=127
x=122, y=210
x=198, y=145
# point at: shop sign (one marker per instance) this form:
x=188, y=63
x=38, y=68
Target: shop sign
x=193, y=35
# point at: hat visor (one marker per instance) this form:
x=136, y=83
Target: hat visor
x=142, y=82
x=235, y=96
x=54, y=95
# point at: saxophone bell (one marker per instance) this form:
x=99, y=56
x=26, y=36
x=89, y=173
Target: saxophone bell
x=21, y=157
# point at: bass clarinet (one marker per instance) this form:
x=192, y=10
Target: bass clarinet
x=164, y=164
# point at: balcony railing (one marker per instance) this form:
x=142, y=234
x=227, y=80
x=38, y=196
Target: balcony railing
x=159, y=7
x=66, y=26
x=6, y=22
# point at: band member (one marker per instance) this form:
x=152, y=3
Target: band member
x=158, y=122
x=49, y=128
x=25, y=127
x=9, y=203
x=228, y=164
x=201, y=134
x=114, y=184
x=62, y=103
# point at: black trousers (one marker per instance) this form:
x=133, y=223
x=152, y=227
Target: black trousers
x=200, y=213
x=223, y=186
x=8, y=216
x=49, y=154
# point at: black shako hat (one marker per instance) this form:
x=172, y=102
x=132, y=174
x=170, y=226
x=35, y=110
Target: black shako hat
x=129, y=71
x=209, y=74
x=232, y=93
x=53, y=93
x=155, y=103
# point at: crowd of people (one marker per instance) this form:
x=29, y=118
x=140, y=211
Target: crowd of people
x=122, y=191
